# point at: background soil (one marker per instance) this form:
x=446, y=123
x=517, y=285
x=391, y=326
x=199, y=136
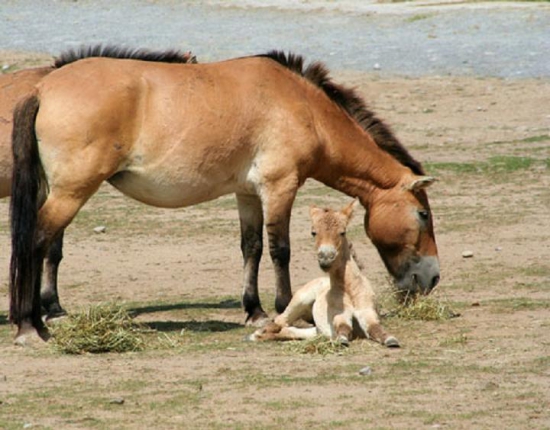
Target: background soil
x=487, y=140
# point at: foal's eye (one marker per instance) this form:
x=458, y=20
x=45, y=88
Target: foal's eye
x=343, y=233
x=424, y=215
x=313, y=233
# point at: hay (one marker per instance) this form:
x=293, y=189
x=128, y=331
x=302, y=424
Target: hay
x=423, y=308
x=102, y=328
x=319, y=345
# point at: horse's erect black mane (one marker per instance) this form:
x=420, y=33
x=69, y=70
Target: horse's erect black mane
x=352, y=103
x=109, y=51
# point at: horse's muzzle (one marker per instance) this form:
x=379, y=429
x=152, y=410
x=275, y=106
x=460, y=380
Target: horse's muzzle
x=421, y=277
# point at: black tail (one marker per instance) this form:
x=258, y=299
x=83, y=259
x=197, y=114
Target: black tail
x=28, y=179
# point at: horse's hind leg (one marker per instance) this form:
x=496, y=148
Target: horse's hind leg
x=54, y=216
x=251, y=220
x=49, y=294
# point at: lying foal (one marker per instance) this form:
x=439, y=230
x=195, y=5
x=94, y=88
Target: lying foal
x=336, y=302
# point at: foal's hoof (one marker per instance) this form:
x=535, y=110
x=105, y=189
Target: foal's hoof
x=342, y=340
x=392, y=342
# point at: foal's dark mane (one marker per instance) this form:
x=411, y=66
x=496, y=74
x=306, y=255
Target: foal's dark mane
x=109, y=51
x=349, y=100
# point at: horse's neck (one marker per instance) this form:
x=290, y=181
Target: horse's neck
x=351, y=162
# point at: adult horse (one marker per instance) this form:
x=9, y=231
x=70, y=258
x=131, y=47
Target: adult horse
x=174, y=135
x=16, y=86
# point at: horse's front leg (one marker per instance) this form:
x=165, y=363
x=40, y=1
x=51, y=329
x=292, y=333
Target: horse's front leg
x=48, y=293
x=251, y=220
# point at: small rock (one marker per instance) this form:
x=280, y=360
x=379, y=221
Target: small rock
x=376, y=66
x=365, y=371
x=5, y=67
x=100, y=229
x=117, y=401
x=467, y=254
x=27, y=425
x=476, y=304
x=498, y=248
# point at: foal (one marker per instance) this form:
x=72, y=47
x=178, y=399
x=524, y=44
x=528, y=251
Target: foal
x=336, y=302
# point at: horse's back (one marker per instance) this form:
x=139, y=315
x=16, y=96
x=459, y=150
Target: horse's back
x=169, y=134
x=13, y=88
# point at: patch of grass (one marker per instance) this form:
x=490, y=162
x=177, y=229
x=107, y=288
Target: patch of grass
x=503, y=164
x=100, y=329
x=418, y=17
x=518, y=304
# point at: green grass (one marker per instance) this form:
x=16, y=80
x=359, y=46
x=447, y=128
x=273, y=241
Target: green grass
x=498, y=165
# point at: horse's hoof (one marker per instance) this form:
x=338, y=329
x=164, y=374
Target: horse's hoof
x=257, y=319
x=392, y=342
x=51, y=320
x=29, y=337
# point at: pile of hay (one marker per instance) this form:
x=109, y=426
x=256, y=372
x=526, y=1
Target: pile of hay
x=319, y=345
x=102, y=328
x=423, y=308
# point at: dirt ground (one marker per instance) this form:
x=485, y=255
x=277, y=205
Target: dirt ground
x=488, y=142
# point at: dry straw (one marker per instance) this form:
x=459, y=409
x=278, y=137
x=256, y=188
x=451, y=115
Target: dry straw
x=423, y=308
x=319, y=345
x=102, y=328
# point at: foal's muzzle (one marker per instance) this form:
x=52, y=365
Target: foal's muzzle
x=326, y=256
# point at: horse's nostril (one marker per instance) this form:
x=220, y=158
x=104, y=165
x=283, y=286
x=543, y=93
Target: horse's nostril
x=435, y=281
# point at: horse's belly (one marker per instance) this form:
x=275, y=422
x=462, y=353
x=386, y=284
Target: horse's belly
x=163, y=192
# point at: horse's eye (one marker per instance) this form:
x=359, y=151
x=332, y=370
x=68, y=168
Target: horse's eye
x=424, y=215
x=313, y=233
x=343, y=233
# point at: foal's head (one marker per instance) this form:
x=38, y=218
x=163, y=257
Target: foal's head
x=399, y=223
x=328, y=227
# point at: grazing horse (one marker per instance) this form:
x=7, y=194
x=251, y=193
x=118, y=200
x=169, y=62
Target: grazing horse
x=335, y=302
x=16, y=86
x=174, y=135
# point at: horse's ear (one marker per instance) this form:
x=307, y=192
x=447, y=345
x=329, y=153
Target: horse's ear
x=420, y=183
x=348, y=210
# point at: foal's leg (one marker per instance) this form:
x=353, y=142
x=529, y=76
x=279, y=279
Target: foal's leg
x=48, y=294
x=370, y=325
x=343, y=326
x=251, y=220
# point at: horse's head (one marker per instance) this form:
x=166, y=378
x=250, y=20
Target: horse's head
x=399, y=223
x=328, y=227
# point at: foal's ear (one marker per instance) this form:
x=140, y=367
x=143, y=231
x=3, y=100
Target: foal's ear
x=420, y=183
x=313, y=210
x=348, y=209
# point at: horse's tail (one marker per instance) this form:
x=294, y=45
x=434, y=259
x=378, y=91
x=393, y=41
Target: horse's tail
x=28, y=181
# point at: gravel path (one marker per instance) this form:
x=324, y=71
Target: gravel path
x=503, y=39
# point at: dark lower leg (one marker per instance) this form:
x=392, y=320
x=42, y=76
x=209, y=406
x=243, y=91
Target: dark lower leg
x=251, y=219
x=280, y=254
x=49, y=295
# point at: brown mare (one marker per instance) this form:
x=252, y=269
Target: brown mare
x=174, y=135
x=342, y=304
x=16, y=86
